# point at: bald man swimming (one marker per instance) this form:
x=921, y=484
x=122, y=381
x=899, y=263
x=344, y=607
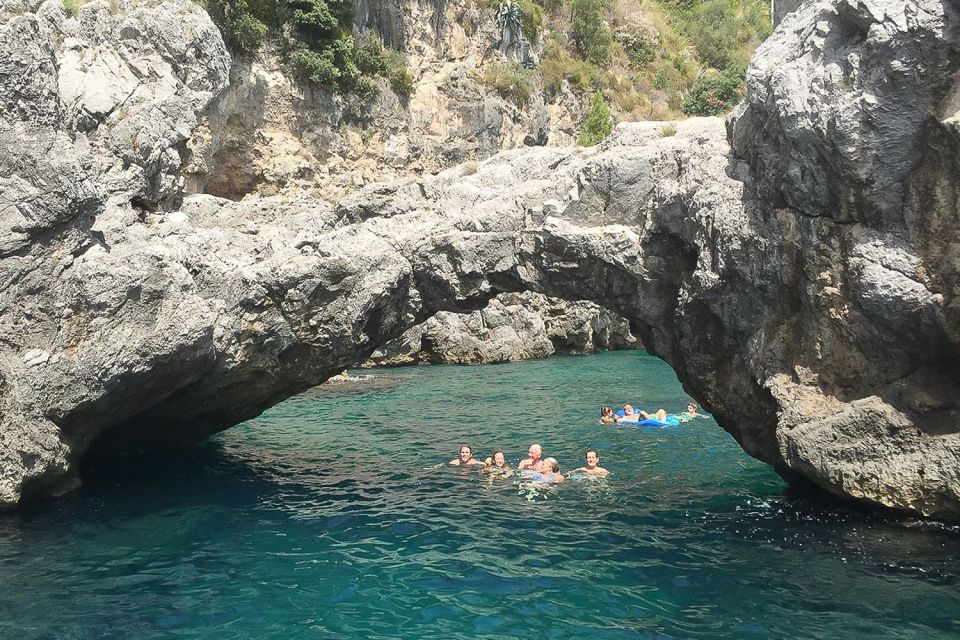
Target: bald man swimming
x=533, y=463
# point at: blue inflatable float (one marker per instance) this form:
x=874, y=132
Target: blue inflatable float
x=671, y=421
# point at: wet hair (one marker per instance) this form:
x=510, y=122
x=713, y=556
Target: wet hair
x=606, y=411
x=589, y=451
x=467, y=447
x=552, y=463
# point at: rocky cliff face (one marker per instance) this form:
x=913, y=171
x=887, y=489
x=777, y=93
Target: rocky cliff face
x=802, y=282
x=269, y=134
x=511, y=327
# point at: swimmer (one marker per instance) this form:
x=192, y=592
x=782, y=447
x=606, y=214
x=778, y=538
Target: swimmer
x=638, y=415
x=634, y=416
x=690, y=413
x=466, y=458
x=592, y=458
x=551, y=471
x=533, y=463
x=607, y=416
x=497, y=465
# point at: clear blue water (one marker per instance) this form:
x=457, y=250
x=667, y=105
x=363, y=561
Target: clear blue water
x=324, y=519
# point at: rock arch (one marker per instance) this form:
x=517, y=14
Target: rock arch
x=801, y=282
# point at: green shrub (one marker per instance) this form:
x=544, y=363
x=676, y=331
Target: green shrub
x=511, y=82
x=589, y=32
x=72, y=7
x=532, y=21
x=248, y=32
x=715, y=94
x=317, y=66
x=599, y=122
x=668, y=130
x=399, y=76
x=725, y=32
x=558, y=65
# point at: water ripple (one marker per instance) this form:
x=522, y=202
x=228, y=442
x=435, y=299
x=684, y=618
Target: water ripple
x=333, y=515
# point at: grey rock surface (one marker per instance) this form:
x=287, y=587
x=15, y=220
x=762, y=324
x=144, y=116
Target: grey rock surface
x=801, y=281
x=513, y=326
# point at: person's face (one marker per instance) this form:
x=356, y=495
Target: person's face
x=465, y=453
x=627, y=408
x=498, y=459
x=692, y=408
x=534, y=452
x=592, y=459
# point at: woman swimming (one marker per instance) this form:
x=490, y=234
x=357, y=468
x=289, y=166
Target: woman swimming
x=497, y=465
x=466, y=458
x=607, y=416
x=551, y=471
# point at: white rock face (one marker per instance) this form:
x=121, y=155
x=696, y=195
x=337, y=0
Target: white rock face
x=511, y=327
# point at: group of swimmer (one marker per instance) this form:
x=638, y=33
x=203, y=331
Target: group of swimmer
x=538, y=469
x=535, y=467
x=630, y=414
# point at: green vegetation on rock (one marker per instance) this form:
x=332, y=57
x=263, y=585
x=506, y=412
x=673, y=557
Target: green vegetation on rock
x=315, y=37
x=599, y=122
x=715, y=93
x=651, y=59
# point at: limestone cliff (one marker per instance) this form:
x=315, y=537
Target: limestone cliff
x=269, y=133
x=511, y=327
x=800, y=277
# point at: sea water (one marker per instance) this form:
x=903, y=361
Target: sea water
x=327, y=517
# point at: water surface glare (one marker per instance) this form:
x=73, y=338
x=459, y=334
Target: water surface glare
x=325, y=518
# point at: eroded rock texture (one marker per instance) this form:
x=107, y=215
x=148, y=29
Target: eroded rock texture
x=802, y=282
x=513, y=326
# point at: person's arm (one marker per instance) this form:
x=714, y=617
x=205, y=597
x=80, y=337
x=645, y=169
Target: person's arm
x=523, y=464
x=455, y=462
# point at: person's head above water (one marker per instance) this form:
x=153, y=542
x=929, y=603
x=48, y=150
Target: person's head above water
x=628, y=409
x=535, y=451
x=498, y=459
x=692, y=407
x=592, y=458
x=465, y=453
x=606, y=411
x=551, y=465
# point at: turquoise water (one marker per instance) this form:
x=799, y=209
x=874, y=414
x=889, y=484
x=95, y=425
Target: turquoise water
x=324, y=519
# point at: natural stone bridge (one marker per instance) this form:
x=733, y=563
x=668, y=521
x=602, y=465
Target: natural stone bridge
x=801, y=283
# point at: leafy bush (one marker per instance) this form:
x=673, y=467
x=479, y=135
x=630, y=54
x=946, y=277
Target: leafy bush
x=248, y=32
x=599, y=122
x=726, y=32
x=589, y=32
x=317, y=66
x=558, y=65
x=72, y=7
x=511, y=82
x=399, y=76
x=532, y=21
x=715, y=94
